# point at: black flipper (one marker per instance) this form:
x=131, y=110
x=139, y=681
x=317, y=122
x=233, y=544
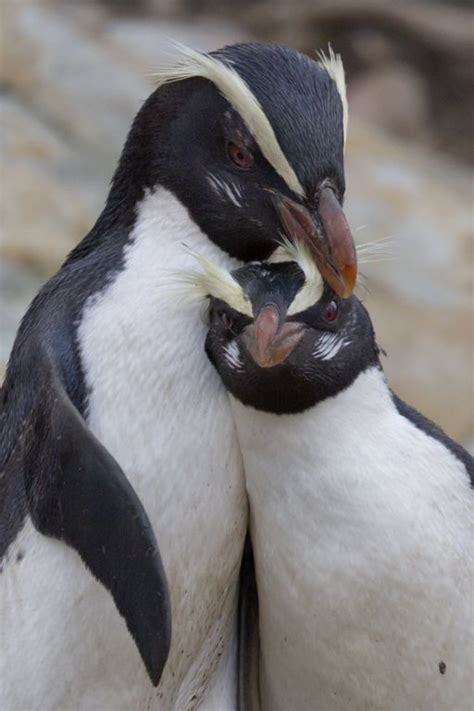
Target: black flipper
x=77, y=492
x=249, y=639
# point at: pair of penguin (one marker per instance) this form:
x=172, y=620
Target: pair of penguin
x=122, y=484
x=119, y=454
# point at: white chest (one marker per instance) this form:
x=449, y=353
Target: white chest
x=62, y=643
x=361, y=529
x=157, y=405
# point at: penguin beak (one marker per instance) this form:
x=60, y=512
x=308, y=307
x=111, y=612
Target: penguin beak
x=331, y=244
x=268, y=341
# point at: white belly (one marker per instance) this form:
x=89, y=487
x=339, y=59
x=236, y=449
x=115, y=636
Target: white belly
x=63, y=646
x=158, y=406
x=361, y=528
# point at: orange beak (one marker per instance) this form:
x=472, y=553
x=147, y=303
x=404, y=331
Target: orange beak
x=269, y=343
x=332, y=247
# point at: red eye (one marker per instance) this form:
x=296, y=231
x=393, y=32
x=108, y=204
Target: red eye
x=239, y=156
x=330, y=312
x=226, y=320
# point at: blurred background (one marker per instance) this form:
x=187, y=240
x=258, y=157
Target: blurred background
x=74, y=74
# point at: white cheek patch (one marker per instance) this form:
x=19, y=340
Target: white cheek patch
x=329, y=345
x=225, y=190
x=232, y=356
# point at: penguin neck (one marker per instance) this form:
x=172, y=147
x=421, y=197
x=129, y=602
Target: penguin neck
x=141, y=298
x=146, y=157
x=317, y=434
x=164, y=229
x=326, y=447
x=354, y=444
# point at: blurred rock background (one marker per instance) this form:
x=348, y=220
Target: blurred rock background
x=74, y=74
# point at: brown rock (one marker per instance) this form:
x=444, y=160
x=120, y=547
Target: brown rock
x=394, y=98
x=66, y=75
x=47, y=204
x=18, y=286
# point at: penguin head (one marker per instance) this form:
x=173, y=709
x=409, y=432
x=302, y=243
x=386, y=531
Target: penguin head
x=250, y=139
x=278, y=358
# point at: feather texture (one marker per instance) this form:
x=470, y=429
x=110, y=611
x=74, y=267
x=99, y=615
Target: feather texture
x=312, y=289
x=190, y=63
x=211, y=280
x=332, y=63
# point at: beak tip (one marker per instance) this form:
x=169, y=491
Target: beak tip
x=349, y=278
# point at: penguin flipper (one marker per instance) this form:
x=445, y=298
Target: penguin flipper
x=76, y=492
x=249, y=639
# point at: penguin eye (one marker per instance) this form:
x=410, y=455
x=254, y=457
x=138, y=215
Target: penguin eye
x=239, y=156
x=330, y=311
x=226, y=320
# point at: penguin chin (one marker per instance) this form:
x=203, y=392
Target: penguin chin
x=270, y=381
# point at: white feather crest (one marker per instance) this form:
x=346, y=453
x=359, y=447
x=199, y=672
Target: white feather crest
x=312, y=289
x=335, y=68
x=212, y=280
x=231, y=85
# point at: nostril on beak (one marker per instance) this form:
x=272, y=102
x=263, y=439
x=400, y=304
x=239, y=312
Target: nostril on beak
x=269, y=343
x=267, y=324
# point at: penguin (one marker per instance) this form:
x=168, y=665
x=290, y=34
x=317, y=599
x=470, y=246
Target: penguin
x=122, y=485
x=360, y=507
